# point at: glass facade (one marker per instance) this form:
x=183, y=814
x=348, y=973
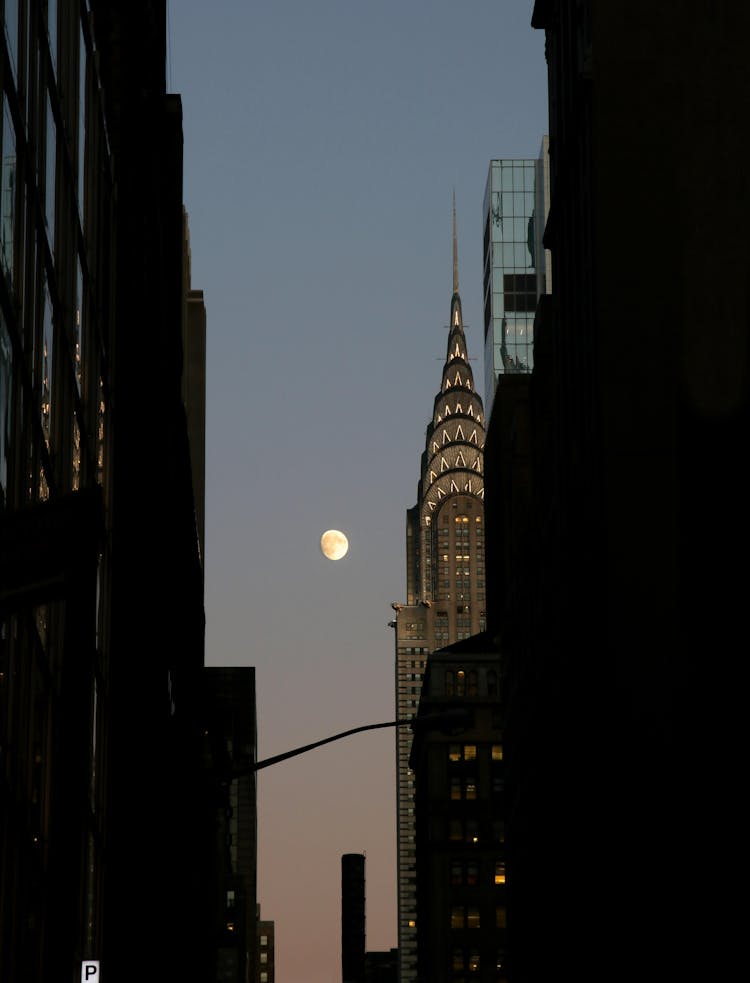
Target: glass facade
x=53, y=250
x=515, y=265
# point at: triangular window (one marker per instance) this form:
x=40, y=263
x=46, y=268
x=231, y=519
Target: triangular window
x=460, y=433
x=443, y=465
x=460, y=462
x=457, y=380
x=471, y=410
x=446, y=438
x=454, y=487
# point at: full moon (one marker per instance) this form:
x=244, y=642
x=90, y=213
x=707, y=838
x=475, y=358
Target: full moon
x=334, y=544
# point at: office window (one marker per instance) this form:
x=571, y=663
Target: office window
x=472, y=873
x=455, y=788
x=474, y=961
x=470, y=788
x=458, y=960
x=497, y=752
x=264, y=940
x=470, y=752
x=472, y=918
x=501, y=918
x=499, y=872
x=264, y=957
x=457, y=917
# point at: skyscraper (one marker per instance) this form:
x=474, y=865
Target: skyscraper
x=459, y=812
x=516, y=266
x=445, y=577
x=101, y=583
x=620, y=606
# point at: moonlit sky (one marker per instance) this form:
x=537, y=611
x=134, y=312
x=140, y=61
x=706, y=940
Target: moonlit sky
x=323, y=142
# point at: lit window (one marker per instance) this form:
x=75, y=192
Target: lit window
x=470, y=788
x=470, y=752
x=460, y=683
x=455, y=788
x=499, y=872
x=412, y=923
x=474, y=961
x=264, y=957
x=230, y=926
x=458, y=960
x=472, y=831
x=264, y=977
x=472, y=918
x=472, y=874
x=454, y=752
x=457, y=917
x=497, y=752
x=264, y=940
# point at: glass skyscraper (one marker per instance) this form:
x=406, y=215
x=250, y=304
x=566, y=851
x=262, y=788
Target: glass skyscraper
x=515, y=264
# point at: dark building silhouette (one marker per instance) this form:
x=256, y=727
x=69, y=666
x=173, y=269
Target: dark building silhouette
x=265, y=950
x=445, y=577
x=381, y=967
x=358, y=965
x=230, y=742
x=108, y=793
x=460, y=831
x=353, y=932
x=617, y=506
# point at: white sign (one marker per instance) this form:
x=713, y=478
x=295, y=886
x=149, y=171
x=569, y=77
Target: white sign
x=90, y=971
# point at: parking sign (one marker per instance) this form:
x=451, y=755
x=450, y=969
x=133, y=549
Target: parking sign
x=90, y=971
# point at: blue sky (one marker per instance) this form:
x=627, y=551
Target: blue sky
x=323, y=142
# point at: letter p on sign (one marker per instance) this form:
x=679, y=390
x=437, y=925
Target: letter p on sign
x=90, y=971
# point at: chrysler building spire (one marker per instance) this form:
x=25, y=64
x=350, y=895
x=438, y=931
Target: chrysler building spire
x=455, y=247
